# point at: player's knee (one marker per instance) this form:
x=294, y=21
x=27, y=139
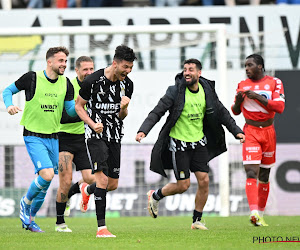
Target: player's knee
x=251, y=174
x=89, y=179
x=183, y=187
x=112, y=187
x=47, y=174
x=264, y=176
x=203, y=184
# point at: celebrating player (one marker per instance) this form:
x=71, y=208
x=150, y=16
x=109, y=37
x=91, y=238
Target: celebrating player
x=259, y=97
x=106, y=94
x=47, y=93
x=72, y=149
x=191, y=136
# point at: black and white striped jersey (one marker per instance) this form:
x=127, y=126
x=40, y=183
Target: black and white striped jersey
x=103, y=104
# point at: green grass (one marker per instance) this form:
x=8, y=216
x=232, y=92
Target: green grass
x=148, y=233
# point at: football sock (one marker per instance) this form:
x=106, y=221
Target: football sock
x=263, y=193
x=157, y=195
x=73, y=190
x=36, y=186
x=91, y=188
x=38, y=201
x=252, y=193
x=197, y=216
x=100, y=202
x=60, y=209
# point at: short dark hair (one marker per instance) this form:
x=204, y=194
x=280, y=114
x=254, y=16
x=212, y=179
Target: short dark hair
x=52, y=51
x=195, y=61
x=123, y=52
x=258, y=60
x=82, y=59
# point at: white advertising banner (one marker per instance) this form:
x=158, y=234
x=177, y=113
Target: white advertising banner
x=272, y=31
x=136, y=179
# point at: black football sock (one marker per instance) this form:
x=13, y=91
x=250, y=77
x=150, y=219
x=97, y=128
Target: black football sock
x=197, y=216
x=100, y=202
x=74, y=190
x=91, y=188
x=60, y=210
x=157, y=195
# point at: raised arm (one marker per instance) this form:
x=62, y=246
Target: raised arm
x=124, y=105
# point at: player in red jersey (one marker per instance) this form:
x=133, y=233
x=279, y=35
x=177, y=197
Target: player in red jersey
x=259, y=97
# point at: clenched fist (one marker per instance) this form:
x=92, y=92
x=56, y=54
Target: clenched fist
x=124, y=102
x=98, y=127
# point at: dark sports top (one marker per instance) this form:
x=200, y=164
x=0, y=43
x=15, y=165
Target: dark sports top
x=103, y=104
x=27, y=82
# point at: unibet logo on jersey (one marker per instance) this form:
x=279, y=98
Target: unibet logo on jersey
x=108, y=108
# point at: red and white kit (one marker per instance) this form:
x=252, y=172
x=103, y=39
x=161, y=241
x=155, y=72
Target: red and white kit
x=260, y=144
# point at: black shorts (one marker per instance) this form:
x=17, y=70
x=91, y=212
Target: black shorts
x=105, y=156
x=190, y=160
x=75, y=144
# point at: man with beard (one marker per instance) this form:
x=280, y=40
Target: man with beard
x=106, y=94
x=190, y=138
x=47, y=93
x=259, y=98
x=72, y=149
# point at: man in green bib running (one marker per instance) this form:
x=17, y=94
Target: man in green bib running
x=47, y=93
x=72, y=148
x=190, y=138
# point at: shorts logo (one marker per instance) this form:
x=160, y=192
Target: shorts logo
x=252, y=149
x=182, y=175
x=116, y=170
x=95, y=165
x=268, y=154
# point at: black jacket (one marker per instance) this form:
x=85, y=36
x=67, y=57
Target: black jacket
x=174, y=99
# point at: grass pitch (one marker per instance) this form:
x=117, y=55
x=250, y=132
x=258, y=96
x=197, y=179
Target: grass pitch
x=147, y=233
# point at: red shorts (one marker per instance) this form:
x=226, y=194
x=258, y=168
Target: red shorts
x=260, y=146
